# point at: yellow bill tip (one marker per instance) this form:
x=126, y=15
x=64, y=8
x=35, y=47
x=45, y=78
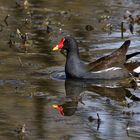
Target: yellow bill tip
x=56, y=48
x=54, y=106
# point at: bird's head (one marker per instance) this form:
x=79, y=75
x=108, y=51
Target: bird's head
x=66, y=43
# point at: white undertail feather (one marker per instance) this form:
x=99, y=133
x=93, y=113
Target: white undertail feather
x=137, y=70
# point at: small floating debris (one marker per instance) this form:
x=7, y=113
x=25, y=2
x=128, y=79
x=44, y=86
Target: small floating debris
x=138, y=31
x=137, y=19
x=131, y=20
x=108, y=101
x=38, y=95
x=22, y=3
x=103, y=18
x=21, y=129
x=11, y=43
x=108, y=28
x=91, y=119
x=89, y=28
x=23, y=37
x=19, y=41
x=133, y=129
x=107, y=11
x=63, y=12
x=25, y=43
x=128, y=113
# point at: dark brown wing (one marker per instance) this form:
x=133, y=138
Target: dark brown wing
x=116, y=58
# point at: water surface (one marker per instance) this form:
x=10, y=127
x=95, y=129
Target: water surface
x=32, y=75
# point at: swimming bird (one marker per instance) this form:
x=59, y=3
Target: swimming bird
x=112, y=66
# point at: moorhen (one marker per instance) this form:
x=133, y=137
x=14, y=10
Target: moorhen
x=112, y=66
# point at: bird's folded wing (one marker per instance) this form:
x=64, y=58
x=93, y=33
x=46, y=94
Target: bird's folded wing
x=115, y=59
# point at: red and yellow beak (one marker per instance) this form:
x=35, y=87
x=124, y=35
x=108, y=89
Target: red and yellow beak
x=59, y=108
x=60, y=45
x=56, y=48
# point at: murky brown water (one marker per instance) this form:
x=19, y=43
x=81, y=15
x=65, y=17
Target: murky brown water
x=32, y=77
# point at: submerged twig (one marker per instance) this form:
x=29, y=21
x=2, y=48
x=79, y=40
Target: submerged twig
x=1, y=27
x=122, y=24
x=131, y=28
x=80, y=100
x=20, y=61
x=127, y=129
x=5, y=19
x=98, y=121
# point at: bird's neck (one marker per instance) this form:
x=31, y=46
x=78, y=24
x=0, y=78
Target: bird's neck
x=73, y=53
x=74, y=66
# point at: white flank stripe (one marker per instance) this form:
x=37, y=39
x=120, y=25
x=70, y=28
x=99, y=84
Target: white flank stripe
x=109, y=69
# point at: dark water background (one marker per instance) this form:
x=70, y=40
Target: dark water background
x=31, y=75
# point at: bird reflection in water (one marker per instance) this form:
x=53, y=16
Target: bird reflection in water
x=75, y=89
